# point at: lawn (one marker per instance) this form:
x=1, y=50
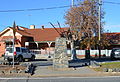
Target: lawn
x=109, y=65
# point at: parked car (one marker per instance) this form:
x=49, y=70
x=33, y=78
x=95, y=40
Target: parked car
x=115, y=53
x=20, y=54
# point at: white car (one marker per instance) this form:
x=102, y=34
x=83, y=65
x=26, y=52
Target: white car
x=20, y=54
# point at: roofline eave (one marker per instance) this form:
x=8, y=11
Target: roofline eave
x=41, y=41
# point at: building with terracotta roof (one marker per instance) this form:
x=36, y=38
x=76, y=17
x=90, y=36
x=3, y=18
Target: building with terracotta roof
x=40, y=38
x=33, y=38
x=114, y=39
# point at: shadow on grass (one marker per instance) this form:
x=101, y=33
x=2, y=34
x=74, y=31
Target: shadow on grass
x=79, y=63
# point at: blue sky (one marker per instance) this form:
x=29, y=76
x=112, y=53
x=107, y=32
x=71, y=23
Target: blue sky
x=43, y=17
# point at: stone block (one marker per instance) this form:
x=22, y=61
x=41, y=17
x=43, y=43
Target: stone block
x=60, y=59
x=105, y=70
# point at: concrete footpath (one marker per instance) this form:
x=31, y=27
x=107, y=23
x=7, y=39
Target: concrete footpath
x=49, y=71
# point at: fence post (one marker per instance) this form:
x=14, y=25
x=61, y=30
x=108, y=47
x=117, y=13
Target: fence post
x=87, y=54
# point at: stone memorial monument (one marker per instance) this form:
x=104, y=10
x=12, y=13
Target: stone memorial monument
x=60, y=59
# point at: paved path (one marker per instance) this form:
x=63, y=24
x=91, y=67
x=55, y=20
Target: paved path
x=49, y=71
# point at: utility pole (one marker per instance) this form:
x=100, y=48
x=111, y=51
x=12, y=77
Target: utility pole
x=73, y=51
x=99, y=24
x=100, y=3
x=71, y=42
x=14, y=25
x=72, y=3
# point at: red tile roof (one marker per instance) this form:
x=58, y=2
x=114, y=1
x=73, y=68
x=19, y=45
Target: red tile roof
x=46, y=34
x=114, y=37
x=114, y=33
x=39, y=34
x=22, y=31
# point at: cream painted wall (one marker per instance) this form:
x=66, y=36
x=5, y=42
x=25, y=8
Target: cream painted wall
x=10, y=33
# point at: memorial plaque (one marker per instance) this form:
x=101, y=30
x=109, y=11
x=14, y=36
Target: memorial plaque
x=60, y=59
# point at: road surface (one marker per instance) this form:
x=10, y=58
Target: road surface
x=63, y=79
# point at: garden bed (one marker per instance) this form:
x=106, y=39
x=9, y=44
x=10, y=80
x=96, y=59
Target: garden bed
x=6, y=69
x=108, y=67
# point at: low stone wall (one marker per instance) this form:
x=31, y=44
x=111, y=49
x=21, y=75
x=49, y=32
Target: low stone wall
x=5, y=69
x=18, y=69
x=111, y=70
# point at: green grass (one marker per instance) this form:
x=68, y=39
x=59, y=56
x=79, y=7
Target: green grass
x=108, y=65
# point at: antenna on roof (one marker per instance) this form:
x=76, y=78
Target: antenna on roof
x=55, y=28
x=60, y=27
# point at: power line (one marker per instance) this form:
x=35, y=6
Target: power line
x=37, y=9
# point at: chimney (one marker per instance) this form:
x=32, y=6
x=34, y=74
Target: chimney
x=42, y=26
x=32, y=26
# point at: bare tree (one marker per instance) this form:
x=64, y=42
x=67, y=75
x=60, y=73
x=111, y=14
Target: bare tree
x=83, y=22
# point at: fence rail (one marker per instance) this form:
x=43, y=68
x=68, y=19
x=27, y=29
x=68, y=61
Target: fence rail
x=78, y=52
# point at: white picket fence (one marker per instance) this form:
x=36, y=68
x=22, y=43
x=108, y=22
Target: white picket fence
x=46, y=53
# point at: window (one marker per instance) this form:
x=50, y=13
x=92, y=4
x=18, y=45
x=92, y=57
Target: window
x=9, y=44
x=117, y=52
x=17, y=49
x=24, y=50
x=10, y=50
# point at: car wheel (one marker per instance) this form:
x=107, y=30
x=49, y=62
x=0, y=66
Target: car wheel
x=20, y=58
x=33, y=58
x=9, y=60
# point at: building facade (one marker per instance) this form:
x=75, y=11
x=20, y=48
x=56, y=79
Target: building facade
x=40, y=38
x=33, y=38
